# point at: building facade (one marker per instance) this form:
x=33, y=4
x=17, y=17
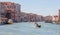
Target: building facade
x=10, y=10
x=13, y=11
x=30, y=17
x=55, y=18
x=48, y=19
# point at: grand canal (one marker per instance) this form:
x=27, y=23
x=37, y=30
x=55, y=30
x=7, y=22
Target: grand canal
x=28, y=28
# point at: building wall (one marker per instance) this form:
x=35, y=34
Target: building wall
x=28, y=17
x=12, y=7
x=55, y=18
x=48, y=18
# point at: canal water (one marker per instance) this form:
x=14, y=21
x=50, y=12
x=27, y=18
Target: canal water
x=29, y=28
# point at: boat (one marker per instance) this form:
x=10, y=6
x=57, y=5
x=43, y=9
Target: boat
x=48, y=21
x=10, y=21
x=4, y=21
x=37, y=25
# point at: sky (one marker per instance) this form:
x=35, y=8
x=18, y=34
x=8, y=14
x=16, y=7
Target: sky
x=40, y=7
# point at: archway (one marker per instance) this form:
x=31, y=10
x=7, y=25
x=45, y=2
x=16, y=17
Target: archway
x=8, y=14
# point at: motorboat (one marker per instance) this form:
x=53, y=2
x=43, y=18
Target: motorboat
x=10, y=21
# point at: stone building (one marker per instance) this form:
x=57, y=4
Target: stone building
x=10, y=10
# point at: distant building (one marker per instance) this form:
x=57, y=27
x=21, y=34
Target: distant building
x=48, y=19
x=10, y=10
x=30, y=17
x=59, y=15
x=55, y=18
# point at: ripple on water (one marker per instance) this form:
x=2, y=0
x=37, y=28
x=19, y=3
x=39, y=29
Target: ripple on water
x=26, y=28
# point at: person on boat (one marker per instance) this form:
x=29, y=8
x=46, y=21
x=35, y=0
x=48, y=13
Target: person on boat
x=37, y=25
